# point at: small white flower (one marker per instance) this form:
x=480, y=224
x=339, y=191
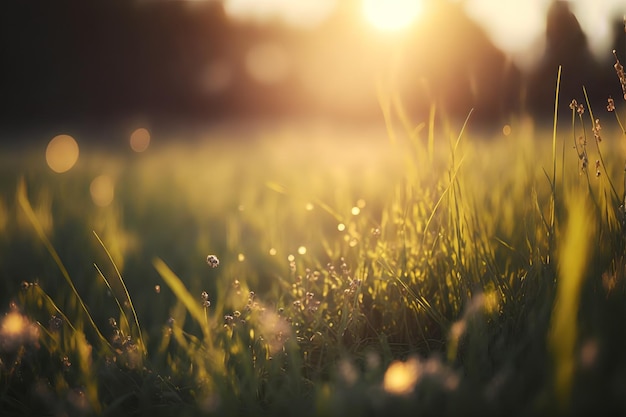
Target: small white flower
x=212, y=261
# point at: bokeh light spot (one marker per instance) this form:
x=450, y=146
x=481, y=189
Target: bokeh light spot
x=355, y=211
x=102, y=190
x=13, y=325
x=140, y=140
x=401, y=377
x=506, y=130
x=62, y=153
x=302, y=250
x=341, y=227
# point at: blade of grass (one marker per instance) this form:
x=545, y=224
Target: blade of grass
x=176, y=285
x=30, y=214
x=553, y=181
x=130, y=302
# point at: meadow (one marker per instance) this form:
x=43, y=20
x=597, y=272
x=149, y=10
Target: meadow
x=413, y=270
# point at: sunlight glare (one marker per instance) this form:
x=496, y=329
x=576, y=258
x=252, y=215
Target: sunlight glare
x=62, y=153
x=301, y=13
x=516, y=27
x=391, y=14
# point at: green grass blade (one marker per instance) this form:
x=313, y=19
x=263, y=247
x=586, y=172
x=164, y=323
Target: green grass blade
x=176, y=285
x=30, y=214
x=130, y=302
x=553, y=181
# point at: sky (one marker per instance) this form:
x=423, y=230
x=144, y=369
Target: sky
x=103, y=63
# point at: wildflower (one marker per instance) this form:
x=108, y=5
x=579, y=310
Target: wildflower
x=580, y=110
x=205, y=299
x=610, y=105
x=212, y=261
x=574, y=104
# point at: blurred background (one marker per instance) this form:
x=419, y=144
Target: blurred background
x=100, y=65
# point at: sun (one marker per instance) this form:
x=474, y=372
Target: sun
x=391, y=15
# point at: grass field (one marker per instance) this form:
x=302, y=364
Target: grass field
x=418, y=270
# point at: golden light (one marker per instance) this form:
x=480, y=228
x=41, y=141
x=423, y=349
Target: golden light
x=267, y=63
x=391, y=14
x=300, y=13
x=102, y=190
x=14, y=324
x=401, y=377
x=62, y=153
x=218, y=76
x=140, y=140
x=15, y=330
x=517, y=27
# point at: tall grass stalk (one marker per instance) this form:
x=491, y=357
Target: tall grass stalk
x=126, y=294
x=22, y=198
x=574, y=254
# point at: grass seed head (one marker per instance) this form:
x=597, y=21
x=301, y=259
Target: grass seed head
x=212, y=261
x=621, y=75
x=610, y=105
